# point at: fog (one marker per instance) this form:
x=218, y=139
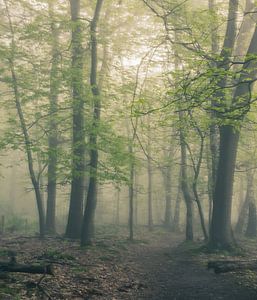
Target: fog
x=128, y=138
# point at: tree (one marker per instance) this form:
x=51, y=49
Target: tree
x=221, y=233
x=184, y=184
x=88, y=220
x=53, y=128
x=73, y=229
x=27, y=140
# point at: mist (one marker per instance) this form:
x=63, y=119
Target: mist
x=128, y=149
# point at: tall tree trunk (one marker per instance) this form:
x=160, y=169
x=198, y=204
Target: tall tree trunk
x=251, y=230
x=149, y=173
x=210, y=184
x=26, y=137
x=53, y=129
x=167, y=178
x=197, y=168
x=214, y=132
x=168, y=192
x=221, y=232
x=131, y=196
x=185, y=186
x=135, y=199
x=87, y=232
x=73, y=229
x=243, y=211
x=176, y=219
x=117, y=217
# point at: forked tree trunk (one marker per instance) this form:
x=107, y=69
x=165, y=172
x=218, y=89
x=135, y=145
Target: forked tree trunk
x=221, y=232
x=87, y=232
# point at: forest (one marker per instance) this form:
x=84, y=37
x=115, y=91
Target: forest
x=127, y=149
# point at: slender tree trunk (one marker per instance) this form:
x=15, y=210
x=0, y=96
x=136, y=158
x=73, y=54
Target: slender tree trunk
x=176, y=220
x=131, y=197
x=88, y=221
x=135, y=199
x=27, y=141
x=210, y=185
x=242, y=218
x=251, y=230
x=214, y=132
x=185, y=186
x=168, y=192
x=149, y=172
x=197, y=168
x=53, y=129
x=117, y=218
x=243, y=211
x=73, y=229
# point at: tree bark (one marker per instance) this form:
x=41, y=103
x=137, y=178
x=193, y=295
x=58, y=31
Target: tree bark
x=73, y=229
x=185, y=186
x=242, y=217
x=87, y=232
x=251, y=230
x=149, y=172
x=221, y=232
x=168, y=192
x=131, y=196
x=53, y=129
x=26, y=137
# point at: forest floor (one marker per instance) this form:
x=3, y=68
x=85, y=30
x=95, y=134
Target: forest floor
x=157, y=265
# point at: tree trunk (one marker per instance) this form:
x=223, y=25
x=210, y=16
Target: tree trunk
x=149, y=172
x=221, y=232
x=87, y=232
x=131, y=197
x=167, y=185
x=243, y=213
x=26, y=137
x=53, y=130
x=252, y=224
x=136, y=199
x=73, y=229
x=251, y=230
x=214, y=132
x=185, y=186
x=117, y=218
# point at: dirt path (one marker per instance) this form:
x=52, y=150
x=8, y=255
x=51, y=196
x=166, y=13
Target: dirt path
x=155, y=267
x=170, y=274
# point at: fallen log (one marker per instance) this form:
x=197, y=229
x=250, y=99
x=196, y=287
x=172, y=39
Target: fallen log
x=13, y=266
x=224, y=266
x=20, y=268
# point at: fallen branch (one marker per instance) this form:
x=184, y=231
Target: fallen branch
x=33, y=269
x=13, y=266
x=224, y=266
